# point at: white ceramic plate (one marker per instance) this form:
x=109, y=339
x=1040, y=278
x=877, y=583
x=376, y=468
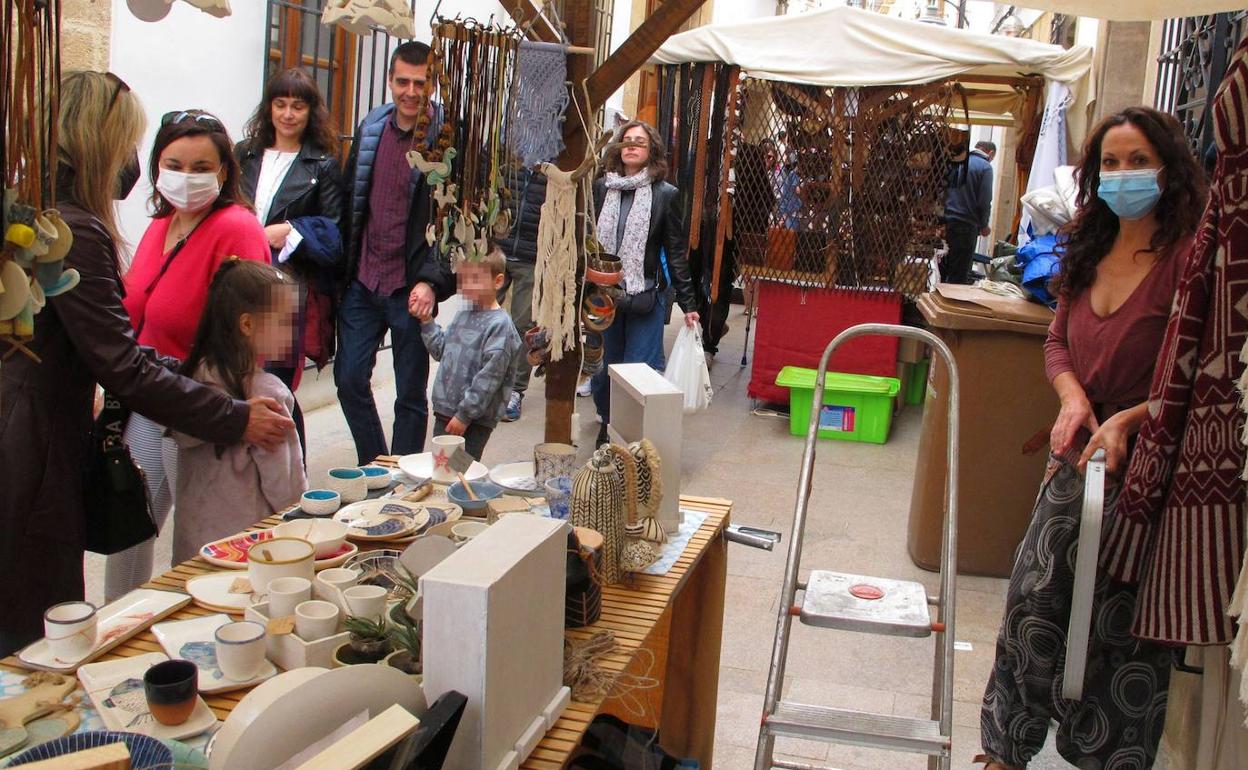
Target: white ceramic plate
x=212, y=592
x=372, y=520
x=231, y=552
x=118, y=621
x=286, y=715
x=421, y=467
x=116, y=690
x=194, y=640
x=517, y=478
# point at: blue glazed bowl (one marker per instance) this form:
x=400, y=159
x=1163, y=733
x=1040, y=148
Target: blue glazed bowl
x=320, y=502
x=376, y=476
x=145, y=753
x=485, y=490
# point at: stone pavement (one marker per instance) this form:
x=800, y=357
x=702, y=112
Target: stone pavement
x=857, y=523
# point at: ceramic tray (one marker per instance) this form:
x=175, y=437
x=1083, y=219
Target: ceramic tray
x=118, y=621
x=212, y=592
x=421, y=467
x=372, y=520
x=194, y=640
x=231, y=552
x=517, y=478
x=116, y=690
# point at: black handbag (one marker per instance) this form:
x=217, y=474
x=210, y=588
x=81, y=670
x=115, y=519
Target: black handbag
x=119, y=514
x=641, y=303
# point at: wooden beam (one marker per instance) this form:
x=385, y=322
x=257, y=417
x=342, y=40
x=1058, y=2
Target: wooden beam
x=639, y=47
x=524, y=10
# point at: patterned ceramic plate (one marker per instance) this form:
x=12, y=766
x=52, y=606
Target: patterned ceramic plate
x=231, y=552
x=517, y=478
x=146, y=753
x=116, y=690
x=382, y=519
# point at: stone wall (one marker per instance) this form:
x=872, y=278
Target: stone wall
x=85, y=30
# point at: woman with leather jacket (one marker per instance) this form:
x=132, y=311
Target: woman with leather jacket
x=83, y=337
x=639, y=216
x=290, y=169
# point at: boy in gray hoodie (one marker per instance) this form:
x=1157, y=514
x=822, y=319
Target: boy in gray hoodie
x=477, y=352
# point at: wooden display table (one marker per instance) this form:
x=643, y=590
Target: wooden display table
x=669, y=616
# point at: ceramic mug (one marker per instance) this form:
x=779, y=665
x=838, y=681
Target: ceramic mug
x=286, y=593
x=278, y=558
x=240, y=650
x=350, y=483
x=553, y=460
x=330, y=583
x=443, y=448
x=558, y=495
x=315, y=620
x=70, y=628
x=172, y=690
x=365, y=601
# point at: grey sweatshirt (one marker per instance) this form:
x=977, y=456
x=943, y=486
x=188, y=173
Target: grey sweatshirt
x=478, y=356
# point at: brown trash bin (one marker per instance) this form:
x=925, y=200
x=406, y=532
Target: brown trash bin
x=1006, y=400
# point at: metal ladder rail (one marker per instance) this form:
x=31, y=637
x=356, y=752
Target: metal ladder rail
x=942, y=695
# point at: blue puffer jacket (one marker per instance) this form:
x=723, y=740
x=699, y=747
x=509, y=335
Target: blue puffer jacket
x=423, y=263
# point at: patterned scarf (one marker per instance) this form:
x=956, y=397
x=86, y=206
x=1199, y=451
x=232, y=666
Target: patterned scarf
x=1181, y=516
x=631, y=249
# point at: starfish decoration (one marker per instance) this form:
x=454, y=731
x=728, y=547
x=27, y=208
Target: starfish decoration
x=442, y=462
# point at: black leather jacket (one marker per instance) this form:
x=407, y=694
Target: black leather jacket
x=667, y=233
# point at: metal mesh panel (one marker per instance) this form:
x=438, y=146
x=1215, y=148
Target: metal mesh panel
x=856, y=199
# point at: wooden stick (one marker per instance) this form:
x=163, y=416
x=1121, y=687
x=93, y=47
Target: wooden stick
x=472, y=495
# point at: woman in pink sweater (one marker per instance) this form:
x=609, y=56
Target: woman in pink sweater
x=199, y=221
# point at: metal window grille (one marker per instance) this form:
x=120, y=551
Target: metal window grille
x=1194, y=55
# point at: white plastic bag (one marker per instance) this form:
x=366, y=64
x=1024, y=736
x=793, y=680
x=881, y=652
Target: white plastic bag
x=686, y=369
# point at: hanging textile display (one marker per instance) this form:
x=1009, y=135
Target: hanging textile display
x=554, y=276
x=1181, y=516
x=359, y=17
x=35, y=238
x=538, y=101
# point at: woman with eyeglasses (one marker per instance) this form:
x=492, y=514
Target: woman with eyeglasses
x=290, y=169
x=84, y=337
x=200, y=220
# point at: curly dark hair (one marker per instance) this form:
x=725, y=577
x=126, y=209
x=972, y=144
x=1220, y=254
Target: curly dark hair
x=294, y=83
x=1090, y=235
x=658, y=153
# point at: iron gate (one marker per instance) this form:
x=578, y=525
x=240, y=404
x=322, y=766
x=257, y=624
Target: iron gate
x=1194, y=55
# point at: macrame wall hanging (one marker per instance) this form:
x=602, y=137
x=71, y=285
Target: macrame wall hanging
x=471, y=70
x=361, y=17
x=554, y=276
x=538, y=103
x=35, y=238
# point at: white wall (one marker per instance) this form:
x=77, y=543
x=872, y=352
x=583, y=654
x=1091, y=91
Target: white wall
x=187, y=60
x=733, y=11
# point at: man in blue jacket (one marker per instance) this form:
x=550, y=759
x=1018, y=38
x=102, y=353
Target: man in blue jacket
x=388, y=260
x=968, y=206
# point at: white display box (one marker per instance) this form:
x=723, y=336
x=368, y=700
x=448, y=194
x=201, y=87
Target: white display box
x=289, y=651
x=645, y=405
x=493, y=631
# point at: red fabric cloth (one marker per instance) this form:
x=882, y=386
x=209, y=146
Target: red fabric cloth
x=794, y=325
x=1114, y=357
x=166, y=317
x=1180, y=523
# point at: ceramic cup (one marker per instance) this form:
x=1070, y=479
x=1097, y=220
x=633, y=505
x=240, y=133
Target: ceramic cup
x=365, y=601
x=558, y=495
x=350, y=483
x=172, y=690
x=553, y=460
x=443, y=448
x=240, y=650
x=330, y=583
x=286, y=593
x=70, y=628
x=375, y=476
x=316, y=620
x=320, y=502
x=277, y=558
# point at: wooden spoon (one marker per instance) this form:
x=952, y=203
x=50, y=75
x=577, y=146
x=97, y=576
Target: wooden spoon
x=472, y=495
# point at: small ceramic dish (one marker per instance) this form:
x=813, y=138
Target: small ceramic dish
x=517, y=478
x=327, y=536
x=484, y=490
x=467, y=530
x=231, y=552
x=320, y=502
x=371, y=520
x=195, y=640
x=212, y=592
x=421, y=467
x=375, y=476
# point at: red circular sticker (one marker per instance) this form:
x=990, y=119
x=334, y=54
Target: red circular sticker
x=866, y=592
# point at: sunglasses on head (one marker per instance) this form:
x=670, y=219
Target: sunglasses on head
x=183, y=116
x=119, y=86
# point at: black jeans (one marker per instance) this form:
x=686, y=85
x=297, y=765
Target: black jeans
x=961, y=238
x=475, y=437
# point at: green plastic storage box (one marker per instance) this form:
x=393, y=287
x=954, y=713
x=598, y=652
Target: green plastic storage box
x=856, y=407
x=916, y=388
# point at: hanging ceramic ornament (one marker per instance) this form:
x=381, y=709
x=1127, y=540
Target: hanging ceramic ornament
x=218, y=8
x=149, y=10
x=360, y=16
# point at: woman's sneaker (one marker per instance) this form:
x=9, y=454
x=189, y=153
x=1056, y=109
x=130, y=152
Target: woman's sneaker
x=584, y=390
x=513, y=407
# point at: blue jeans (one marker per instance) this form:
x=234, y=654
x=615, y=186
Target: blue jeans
x=363, y=320
x=632, y=339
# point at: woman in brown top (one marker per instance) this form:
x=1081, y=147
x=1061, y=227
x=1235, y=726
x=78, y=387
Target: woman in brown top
x=1141, y=194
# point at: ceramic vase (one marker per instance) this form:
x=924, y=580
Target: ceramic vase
x=551, y=461
x=598, y=503
x=583, y=595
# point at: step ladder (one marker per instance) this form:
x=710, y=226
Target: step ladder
x=868, y=605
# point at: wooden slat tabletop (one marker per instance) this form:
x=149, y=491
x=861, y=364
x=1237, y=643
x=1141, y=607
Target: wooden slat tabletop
x=630, y=610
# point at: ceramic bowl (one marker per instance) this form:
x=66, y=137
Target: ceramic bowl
x=485, y=491
x=326, y=535
x=467, y=530
x=375, y=476
x=279, y=557
x=320, y=502
x=351, y=483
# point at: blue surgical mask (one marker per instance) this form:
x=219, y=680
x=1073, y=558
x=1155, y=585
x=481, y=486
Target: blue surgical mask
x=1130, y=194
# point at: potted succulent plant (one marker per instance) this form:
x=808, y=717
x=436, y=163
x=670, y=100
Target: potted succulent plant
x=407, y=645
x=368, y=642
x=406, y=611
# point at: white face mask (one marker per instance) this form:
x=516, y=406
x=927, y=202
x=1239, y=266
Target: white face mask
x=188, y=193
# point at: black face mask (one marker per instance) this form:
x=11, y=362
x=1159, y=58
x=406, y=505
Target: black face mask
x=128, y=177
